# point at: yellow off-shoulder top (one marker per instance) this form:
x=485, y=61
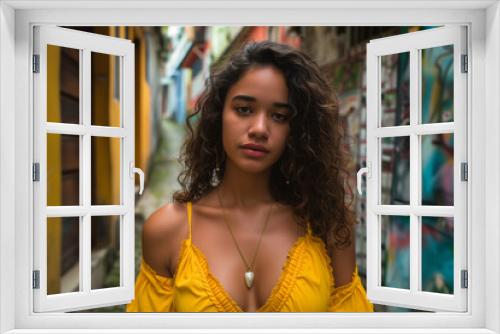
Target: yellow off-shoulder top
x=306, y=284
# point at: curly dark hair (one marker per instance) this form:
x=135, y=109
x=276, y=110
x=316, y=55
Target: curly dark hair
x=314, y=160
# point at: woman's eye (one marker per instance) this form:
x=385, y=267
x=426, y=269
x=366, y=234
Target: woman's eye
x=242, y=109
x=282, y=117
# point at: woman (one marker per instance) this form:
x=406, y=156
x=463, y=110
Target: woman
x=261, y=223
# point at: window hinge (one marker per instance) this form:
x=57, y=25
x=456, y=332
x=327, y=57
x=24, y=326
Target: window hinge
x=465, y=67
x=36, y=63
x=36, y=279
x=36, y=171
x=464, y=171
x=465, y=279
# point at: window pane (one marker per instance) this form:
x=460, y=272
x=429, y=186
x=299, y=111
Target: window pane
x=63, y=254
x=437, y=169
x=105, y=249
x=437, y=254
x=395, y=89
x=106, y=168
x=395, y=234
x=395, y=170
x=437, y=84
x=63, y=169
x=63, y=85
x=105, y=95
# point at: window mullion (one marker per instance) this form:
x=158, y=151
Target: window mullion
x=85, y=235
x=415, y=164
x=127, y=230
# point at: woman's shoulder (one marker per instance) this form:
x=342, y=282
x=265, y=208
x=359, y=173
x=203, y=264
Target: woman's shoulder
x=166, y=220
x=162, y=235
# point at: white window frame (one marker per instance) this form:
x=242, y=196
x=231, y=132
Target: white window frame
x=16, y=19
x=123, y=50
x=416, y=297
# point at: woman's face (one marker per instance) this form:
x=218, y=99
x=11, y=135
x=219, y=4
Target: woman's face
x=256, y=112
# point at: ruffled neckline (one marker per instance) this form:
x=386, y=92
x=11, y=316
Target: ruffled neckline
x=281, y=290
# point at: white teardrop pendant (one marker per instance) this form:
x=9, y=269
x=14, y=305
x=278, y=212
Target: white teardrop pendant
x=249, y=275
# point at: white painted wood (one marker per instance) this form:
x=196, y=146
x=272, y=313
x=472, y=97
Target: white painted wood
x=85, y=263
x=405, y=210
x=414, y=297
x=82, y=40
x=85, y=298
x=39, y=155
x=414, y=40
x=94, y=210
x=81, y=300
x=482, y=123
x=77, y=129
x=489, y=177
x=245, y=4
x=127, y=154
x=7, y=168
x=460, y=154
x=417, y=129
x=415, y=166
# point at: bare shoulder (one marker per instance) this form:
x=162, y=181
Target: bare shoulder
x=162, y=235
x=165, y=221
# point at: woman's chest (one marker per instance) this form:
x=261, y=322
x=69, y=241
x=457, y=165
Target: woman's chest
x=301, y=285
x=246, y=248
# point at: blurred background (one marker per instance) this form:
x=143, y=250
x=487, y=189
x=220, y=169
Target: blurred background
x=171, y=64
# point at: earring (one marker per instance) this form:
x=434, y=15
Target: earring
x=218, y=164
x=285, y=176
x=216, y=172
x=215, y=180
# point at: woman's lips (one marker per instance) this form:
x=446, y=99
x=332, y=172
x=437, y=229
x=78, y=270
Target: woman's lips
x=253, y=153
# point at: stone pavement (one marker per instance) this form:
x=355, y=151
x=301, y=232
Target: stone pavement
x=162, y=180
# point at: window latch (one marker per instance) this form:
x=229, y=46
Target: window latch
x=134, y=170
x=365, y=170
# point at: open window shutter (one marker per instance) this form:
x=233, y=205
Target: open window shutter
x=83, y=169
x=417, y=170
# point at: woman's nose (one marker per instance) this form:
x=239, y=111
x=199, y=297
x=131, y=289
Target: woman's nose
x=259, y=124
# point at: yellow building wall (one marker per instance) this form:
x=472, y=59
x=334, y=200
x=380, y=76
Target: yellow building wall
x=106, y=155
x=115, y=115
x=143, y=105
x=101, y=160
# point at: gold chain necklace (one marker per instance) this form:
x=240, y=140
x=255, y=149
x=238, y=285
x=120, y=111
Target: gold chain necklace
x=249, y=274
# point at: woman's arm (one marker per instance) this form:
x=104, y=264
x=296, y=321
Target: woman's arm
x=162, y=235
x=348, y=295
x=344, y=262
